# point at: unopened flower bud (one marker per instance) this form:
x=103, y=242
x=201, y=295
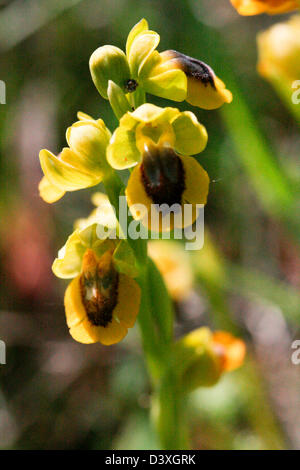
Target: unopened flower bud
x=109, y=63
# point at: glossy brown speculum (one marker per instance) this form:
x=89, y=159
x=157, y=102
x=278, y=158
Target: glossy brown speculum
x=99, y=293
x=162, y=175
x=194, y=68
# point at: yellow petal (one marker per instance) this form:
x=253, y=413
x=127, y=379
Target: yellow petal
x=129, y=297
x=84, y=117
x=61, y=174
x=196, y=181
x=88, y=141
x=205, y=95
x=75, y=311
x=142, y=46
x=48, y=192
x=122, y=152
x=81, y=329
x=191, y=136
x=171, y=84
x=140, y=27
x=68, y=263
x=149, y=113
x=136, y=194
x=86, y=333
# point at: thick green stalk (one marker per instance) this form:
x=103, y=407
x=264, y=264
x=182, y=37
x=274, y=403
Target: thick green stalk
x=155, y=320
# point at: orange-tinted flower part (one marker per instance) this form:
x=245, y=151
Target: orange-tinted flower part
x=272, y=7
x=230, y=350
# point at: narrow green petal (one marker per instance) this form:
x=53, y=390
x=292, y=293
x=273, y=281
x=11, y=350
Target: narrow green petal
x=61, y=174
x=136, y=30
x=191, y=136
x=122, y=152
x=117, y=99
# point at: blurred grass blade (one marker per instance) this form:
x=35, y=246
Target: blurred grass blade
x=21, y=19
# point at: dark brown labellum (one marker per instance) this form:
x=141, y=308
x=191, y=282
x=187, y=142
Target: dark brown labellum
x=162, y=175
x=99, y=296
x=195, y=68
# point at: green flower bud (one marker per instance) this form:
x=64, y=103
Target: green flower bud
x=202, y=357
x=109, y=63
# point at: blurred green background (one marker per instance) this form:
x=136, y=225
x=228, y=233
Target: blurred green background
x=58, y=394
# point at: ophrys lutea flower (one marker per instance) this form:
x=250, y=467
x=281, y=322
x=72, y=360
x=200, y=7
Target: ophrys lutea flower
x=135, y=69
x=103, y=299
x=169, y=74
x=204, y=88
x=81, y=165
x=279, y=53
x=159, y=142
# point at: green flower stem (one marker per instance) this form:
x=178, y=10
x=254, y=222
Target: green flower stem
x=114, y=189
x=137, y=98
x=156, y=326
x=168, y=404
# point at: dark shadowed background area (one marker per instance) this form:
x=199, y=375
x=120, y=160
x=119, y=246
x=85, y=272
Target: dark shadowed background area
x=59, y=394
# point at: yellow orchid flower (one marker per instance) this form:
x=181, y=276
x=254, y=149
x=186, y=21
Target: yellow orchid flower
x=205, y=356
x=158, y=142
x=255, y=7
x=169, y=74
x=279, y=52
x=81, y=165
x=102, y=301
x=134, y=69
x=204, y=88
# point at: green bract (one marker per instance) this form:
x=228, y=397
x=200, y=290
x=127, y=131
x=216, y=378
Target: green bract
x=138, y=68
x=166, y=126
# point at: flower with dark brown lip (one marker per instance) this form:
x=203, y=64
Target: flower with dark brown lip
x=159, y=142
x=204, y=88
x=102, y=301
x=165, y=184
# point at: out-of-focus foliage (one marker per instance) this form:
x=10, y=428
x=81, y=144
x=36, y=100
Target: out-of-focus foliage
x=55, y=393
